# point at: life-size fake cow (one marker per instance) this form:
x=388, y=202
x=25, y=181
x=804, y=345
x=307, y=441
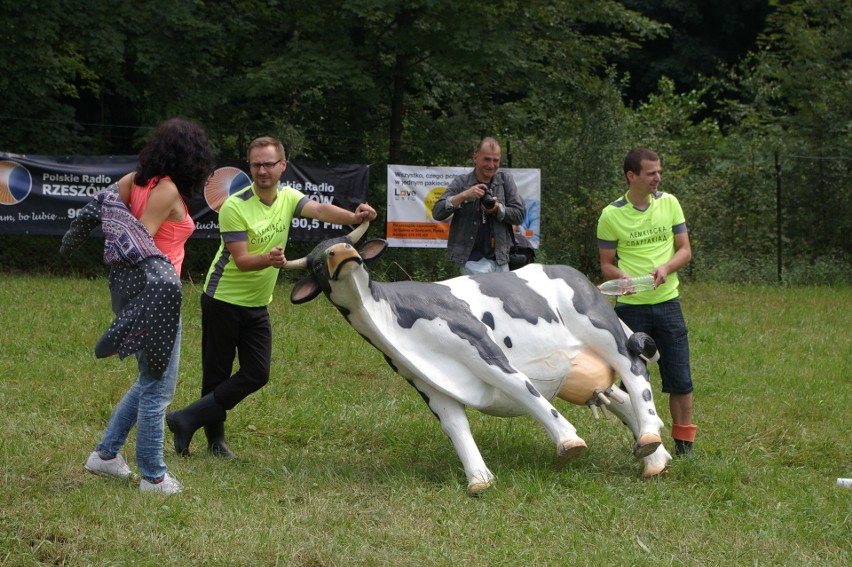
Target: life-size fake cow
x=503, y=343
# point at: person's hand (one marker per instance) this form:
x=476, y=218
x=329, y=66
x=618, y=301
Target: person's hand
x=475, y=192
x=276, y=257
x=660, y=275
x=626, y=284
x=494, y=208
x=365, y=212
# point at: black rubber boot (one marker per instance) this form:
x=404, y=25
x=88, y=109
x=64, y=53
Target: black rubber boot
x=216, y=440
x=185, y=422
x=683, y=448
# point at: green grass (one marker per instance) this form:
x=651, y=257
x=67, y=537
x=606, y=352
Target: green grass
x=341, y=463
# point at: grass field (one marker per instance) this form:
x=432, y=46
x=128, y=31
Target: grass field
x=341, y=463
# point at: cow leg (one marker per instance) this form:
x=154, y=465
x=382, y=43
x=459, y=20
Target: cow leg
x=657, y=462
x=634, y=375
x=519, y=388
x=451, y=415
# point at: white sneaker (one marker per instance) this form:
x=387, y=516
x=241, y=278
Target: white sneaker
x=113, y=468
x=169, y=485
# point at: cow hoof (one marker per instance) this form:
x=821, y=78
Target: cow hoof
x=646, y=445
x=478, y=488
x=651, y=472
x=570, y=450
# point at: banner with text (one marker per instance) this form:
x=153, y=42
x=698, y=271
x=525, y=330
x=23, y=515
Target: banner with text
x=41, y=195
x=413, y=190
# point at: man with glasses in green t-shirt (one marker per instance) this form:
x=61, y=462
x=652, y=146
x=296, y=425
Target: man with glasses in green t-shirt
x=254, y=224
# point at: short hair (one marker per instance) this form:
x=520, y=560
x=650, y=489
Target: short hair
x=179, y=149
x=487, y=141
x=633, y=160
x=264, y=141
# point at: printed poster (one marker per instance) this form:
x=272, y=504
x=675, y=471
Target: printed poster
x=413, y=190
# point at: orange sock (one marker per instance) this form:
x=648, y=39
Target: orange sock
x=684, y=432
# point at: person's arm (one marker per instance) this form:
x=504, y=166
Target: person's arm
x=472, y=193
x=609, y=270
x=325, y=212
x=125, y=185
x=251, y=262
x=513, y=210
x=453, y=197
x=164, y=199
x=681, y=257
x=329, y=213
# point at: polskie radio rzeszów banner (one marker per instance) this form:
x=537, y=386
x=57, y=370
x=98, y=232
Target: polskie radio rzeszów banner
x=40, y=195
x=413, y=190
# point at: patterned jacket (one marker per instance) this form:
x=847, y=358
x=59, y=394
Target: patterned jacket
x=145, y=288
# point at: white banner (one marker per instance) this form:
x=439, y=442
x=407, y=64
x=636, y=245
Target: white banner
x=412, y=190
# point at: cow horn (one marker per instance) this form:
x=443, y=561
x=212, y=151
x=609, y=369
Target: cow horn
x=300, y=264
x=359, y=231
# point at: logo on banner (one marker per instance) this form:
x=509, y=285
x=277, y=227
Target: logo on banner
x=15, y=183
x=431, y=199
x=224, y=182
x=405, y=193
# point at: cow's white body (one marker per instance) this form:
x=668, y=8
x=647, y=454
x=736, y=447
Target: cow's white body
x=502, y=343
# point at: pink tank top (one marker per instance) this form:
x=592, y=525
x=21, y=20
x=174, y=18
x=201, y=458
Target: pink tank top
x=171, y=236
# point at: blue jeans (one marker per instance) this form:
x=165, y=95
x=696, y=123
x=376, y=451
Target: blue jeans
x=664, y=322
x=482, y=266
x=144, y=405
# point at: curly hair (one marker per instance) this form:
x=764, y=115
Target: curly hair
x=178, y=148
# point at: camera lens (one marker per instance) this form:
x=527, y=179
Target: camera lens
x=488, y=200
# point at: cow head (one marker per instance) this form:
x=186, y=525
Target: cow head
x=329, y=260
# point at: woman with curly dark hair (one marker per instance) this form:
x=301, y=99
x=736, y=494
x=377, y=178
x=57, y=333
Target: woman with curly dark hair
x=173, y=167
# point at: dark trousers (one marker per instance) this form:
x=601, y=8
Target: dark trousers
x=227, y=331
x=665, y=323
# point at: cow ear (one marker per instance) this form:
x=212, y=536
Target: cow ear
x=304, y=290
x=372, y=249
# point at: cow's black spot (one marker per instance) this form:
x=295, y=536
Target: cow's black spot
x=646, y=395
x=488, y=319
x=412, y=301
x=532, y=389
x=554, y=413
x=519, y=300
x=589, y=301
x=508, y=342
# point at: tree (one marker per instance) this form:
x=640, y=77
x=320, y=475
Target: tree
x=792, y=96
x=45, y=72
x=701, y=37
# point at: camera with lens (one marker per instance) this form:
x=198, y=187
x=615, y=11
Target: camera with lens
x=488, y=200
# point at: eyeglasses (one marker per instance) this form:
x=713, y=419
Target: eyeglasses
x=268, y=165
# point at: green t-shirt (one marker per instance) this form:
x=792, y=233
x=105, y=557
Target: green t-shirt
x=643, y=240
x=244, y=217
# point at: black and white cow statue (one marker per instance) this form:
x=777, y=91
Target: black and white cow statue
x=503, y=343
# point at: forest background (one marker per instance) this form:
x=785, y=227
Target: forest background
x=747, y=101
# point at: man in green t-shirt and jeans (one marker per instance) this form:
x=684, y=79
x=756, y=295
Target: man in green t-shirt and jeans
x=644, y=232
x=254, y=224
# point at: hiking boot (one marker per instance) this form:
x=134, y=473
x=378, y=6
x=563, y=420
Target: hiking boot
x=168, y=485
x=113, y=468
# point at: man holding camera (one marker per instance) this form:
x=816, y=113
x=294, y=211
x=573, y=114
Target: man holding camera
x=484, y=204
